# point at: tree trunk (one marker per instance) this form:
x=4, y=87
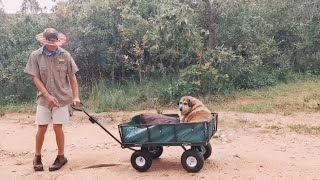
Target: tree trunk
x=112, y=74
x=122, y=70
x=140, y=71
x=212, y=18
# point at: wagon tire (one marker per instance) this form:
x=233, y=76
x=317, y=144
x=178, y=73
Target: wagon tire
x=155, y=151
x=192, y=160
x=141, y=160
x=208, y=151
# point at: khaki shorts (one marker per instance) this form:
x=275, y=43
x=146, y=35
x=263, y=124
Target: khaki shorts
x=58, y=115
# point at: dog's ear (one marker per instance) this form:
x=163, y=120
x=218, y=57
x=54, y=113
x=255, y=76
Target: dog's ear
x=190, y=103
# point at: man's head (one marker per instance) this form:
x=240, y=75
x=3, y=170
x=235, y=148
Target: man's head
x=51, y=38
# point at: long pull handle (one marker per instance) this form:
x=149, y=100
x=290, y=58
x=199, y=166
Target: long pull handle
x=94, y=120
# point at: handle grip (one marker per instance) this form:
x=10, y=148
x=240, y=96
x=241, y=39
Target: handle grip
x=77, y=109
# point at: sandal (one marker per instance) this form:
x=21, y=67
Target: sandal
x=58, y=163
x=37, y=164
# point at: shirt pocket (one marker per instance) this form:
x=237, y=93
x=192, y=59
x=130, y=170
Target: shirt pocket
x=43, y=73
x=62, y=72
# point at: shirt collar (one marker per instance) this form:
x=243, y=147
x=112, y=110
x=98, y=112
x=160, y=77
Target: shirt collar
x=40, y=50
x=45, y=51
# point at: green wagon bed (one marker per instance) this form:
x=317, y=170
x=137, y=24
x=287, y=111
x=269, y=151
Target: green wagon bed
x=151, y=139
x=136, y=134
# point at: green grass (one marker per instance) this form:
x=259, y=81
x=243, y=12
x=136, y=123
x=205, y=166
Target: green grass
x=18, y=108
x=304, y=129
x=130, y=97
x=299, y=96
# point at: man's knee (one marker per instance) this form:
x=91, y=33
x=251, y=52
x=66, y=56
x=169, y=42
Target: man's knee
x=42, y=129
x=57, y=127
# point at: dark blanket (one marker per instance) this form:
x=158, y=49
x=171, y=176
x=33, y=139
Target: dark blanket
x=152, y=118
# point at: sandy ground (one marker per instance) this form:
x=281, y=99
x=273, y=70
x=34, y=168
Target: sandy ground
x=247, y=146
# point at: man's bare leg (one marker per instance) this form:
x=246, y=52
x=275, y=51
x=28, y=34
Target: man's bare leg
x=61, y=159
x=59, y=138
x=40, y=138
x=37, y=164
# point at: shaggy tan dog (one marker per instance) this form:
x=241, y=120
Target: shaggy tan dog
x=193, y=110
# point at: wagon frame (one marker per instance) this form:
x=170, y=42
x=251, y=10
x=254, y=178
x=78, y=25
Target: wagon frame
x=150, y=145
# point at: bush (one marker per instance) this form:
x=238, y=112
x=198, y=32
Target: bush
x=199, y=80
x=254, y=80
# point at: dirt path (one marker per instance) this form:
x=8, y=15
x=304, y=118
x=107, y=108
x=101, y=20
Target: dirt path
x=248, y=146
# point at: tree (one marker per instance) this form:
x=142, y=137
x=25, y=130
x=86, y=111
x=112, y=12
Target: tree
x=4, y=43
x=20, y=38
x=175, y=37
x=30, y=7
x=212, y=19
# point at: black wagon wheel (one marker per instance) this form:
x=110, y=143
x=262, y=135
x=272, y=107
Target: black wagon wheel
x=155, y=151
x=141, y=160
x=206, y=150
x=192, y=160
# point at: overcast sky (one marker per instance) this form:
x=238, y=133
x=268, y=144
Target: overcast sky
x=12, y=6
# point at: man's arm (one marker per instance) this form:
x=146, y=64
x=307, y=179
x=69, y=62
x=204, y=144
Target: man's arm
x=75, y=89
x=53, y=102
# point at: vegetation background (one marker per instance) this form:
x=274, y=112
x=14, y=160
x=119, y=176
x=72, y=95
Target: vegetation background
x=246, y=55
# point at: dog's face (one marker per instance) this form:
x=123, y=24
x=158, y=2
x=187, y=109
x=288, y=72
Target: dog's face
x=185, y=105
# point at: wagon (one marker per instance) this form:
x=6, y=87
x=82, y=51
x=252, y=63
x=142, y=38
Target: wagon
x=147, y=140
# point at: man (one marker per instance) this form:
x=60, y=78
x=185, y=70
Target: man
x=53, y=73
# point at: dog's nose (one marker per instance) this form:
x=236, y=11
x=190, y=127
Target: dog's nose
x=180, y=109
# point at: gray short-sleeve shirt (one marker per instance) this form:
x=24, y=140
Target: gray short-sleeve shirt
x=53, y=72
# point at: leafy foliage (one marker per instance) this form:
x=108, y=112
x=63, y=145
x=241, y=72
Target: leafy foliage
x=18, y=86
x=259, y=43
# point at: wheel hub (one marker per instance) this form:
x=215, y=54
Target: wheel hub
x=191, y=161
x=140, y=161
x=153, y=150
x=203, y=150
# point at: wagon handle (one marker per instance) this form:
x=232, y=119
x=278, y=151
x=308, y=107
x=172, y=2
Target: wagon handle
x=94, y=120
x=77, y=109
x=81, y=108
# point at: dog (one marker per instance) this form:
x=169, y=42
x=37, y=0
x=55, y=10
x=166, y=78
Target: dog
x=193, y=110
